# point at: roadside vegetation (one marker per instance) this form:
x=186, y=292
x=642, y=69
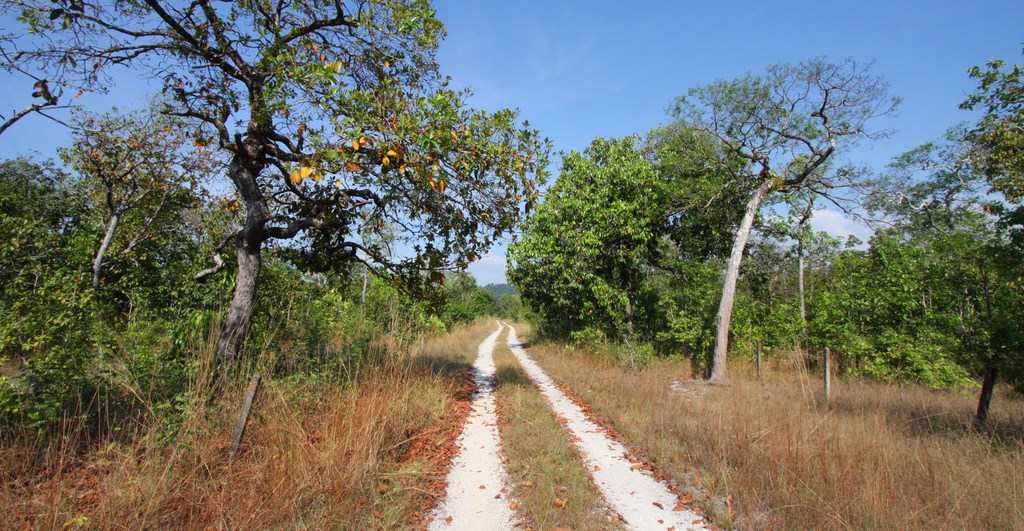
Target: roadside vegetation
x=302, y=197
x=364, y=446
x=246, y=222
x=771, y=454
x=697, y=237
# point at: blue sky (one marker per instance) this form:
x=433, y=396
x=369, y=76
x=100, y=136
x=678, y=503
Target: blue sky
x=577, y=70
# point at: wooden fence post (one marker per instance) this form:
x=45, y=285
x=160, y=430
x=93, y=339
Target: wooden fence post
x=759, y=370
x=243, y=417
x=828, y=375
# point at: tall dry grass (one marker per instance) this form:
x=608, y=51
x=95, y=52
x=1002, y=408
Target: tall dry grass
x=318, y=453
x=878, y=457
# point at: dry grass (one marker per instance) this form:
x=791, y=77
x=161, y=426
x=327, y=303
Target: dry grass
x=881, y=457
x=549, y=481
x=366, y=455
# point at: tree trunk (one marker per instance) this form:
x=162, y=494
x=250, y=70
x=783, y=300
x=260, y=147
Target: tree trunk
x=108, y=237
x=236, y=323
x=732, y=272
x=362, y=294
x=248, y=244
x=988, y=384
x=800, y=281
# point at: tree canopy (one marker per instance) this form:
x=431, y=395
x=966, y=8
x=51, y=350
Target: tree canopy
x=334, y=119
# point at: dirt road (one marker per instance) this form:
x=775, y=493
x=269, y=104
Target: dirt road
x=476, y=497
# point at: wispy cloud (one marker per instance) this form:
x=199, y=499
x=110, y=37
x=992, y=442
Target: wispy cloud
x=839, y=225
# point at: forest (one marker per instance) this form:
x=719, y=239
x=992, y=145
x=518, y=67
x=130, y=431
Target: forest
x=297, y=207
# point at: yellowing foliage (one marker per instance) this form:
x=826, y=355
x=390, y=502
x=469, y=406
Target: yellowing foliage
x=302, y=173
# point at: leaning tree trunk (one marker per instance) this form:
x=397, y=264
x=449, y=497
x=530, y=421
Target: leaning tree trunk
x=988, y=385
x=248, y=243
x=732, y=272
x=108, y=237
x=236, y=323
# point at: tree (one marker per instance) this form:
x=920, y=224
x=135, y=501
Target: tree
x=998, y=149
x=579, y=260
x=134, y=166
x=936, y=198
x=801, y=234
x=999, y=134
x=786, y=124
x=334, y=119
x=464, y=300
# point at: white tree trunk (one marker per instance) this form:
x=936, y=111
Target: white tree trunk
x=800, y=279
x=108, y=237
x=732, y=273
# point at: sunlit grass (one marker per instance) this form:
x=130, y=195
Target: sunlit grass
x=880, y=456
x=316, y=455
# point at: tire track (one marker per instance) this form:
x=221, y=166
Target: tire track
x=642, y=501
x=477, y=496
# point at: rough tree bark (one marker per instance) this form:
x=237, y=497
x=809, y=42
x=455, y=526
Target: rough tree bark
x=108, y=237
x=732, y=272
x=239, y=316
x=244, y=170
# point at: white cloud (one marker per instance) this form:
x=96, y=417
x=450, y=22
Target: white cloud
x=839, y=225
x=490, y=268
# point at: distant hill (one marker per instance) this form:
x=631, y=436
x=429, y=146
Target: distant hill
x=499, y=290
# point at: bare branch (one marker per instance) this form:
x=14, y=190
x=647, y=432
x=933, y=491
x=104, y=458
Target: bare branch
x=218, y=260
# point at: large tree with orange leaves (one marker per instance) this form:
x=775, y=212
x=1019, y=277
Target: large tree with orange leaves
x=334, y=118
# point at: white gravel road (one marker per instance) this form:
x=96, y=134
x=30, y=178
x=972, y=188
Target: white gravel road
x=641, y=500
x=477, y=498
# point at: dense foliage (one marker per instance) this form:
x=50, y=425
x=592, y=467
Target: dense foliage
x=333, y=119
x=320, y=144
x=581, y=256
x=132, y=347
x=633, y=237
